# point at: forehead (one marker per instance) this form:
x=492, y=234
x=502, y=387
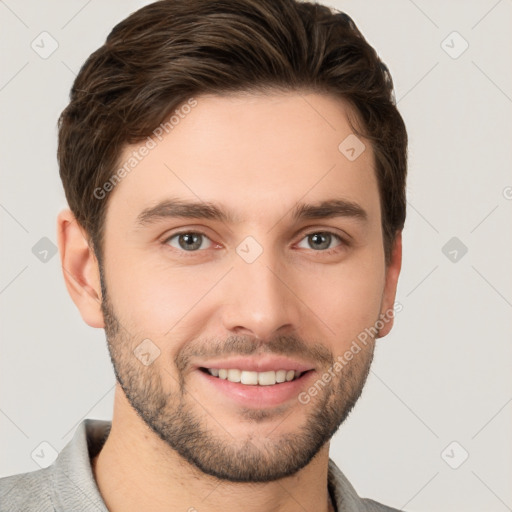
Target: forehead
x=257, y=155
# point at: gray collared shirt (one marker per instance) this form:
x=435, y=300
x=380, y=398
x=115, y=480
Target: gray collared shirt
x=68, y=485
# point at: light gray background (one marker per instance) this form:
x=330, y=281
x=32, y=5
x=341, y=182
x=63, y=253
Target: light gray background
x=442, y=375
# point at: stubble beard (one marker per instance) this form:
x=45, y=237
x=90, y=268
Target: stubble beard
x=180, y=421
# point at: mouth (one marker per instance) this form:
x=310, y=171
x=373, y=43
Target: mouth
x=256, y=382
x=253, y=378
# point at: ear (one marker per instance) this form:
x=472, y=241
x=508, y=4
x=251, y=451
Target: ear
x=392, y=273
x=80, y=269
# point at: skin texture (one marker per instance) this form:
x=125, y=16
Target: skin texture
x=175, y=440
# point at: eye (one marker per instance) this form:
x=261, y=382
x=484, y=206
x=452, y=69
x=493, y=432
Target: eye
x=193, y=241
x=321, y=240
x=189, y=241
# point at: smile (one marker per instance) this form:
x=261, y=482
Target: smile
x=250, y=378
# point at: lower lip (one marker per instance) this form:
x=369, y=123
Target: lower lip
x=259, y=397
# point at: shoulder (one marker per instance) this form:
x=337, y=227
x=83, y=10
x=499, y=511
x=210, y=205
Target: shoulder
x=373, y=506
x=346, y=497
x=27, y=492
x=67, y=484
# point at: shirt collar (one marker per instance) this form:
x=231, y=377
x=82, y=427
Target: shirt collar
x=74, y=486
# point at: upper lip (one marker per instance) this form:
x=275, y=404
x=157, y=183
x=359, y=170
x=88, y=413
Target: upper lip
x=263, y=363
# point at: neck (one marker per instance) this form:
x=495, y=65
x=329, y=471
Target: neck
x=136, y=470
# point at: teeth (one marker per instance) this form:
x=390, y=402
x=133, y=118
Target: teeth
x=280, y=375
x=267, y=378
x=234, y=375
x=249, y=378
x=254, y=378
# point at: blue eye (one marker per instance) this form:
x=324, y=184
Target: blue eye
x=189, y=241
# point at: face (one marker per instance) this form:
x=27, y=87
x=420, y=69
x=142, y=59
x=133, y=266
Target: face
x=211, y=309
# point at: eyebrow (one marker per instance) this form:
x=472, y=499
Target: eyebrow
x=179, y=208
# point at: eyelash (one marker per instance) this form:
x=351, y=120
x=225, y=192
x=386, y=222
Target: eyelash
x=334, y=250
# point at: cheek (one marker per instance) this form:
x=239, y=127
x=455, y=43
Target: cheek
x=157, y=301
x=347, y=299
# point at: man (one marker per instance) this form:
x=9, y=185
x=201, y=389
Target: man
x=235, y=173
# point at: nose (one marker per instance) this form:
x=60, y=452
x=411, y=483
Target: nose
x=260, y=298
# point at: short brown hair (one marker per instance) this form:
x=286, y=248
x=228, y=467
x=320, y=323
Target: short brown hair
x=170, y=50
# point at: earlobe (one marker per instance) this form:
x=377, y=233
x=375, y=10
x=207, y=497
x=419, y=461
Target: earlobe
x=392, y=274
x=80, y=269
